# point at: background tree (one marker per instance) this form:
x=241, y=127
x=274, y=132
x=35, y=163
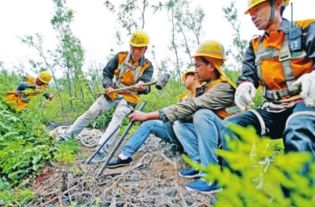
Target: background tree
x=69, y=54
x=236, y=52
x=130, y=15
x=67, y=58
x=186, y=28
x=36, y=42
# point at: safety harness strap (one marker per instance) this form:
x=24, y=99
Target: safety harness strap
x=137, y=73
x=285, y=56
x=263, y=127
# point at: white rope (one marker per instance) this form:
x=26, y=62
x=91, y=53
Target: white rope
x=88, y=137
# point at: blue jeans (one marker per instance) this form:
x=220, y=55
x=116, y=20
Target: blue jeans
x=201, y=136
x=296, y=125
x=159, y=128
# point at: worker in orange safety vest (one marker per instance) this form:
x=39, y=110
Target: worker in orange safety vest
x=282, y=62
x=124, y=69
x=19, y=99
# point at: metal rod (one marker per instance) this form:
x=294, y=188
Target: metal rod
x=102, y=145
x=123, y=136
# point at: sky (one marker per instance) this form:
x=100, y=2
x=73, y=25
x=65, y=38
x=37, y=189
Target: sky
x=95, y=27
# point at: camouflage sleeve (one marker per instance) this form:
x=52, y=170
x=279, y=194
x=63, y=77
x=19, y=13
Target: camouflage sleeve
x=220, y=96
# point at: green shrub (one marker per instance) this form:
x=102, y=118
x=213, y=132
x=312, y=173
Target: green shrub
x=24, y=145
x=18, y=196
x=158, y=99
x=66, y=152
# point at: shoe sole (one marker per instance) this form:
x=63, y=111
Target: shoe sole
x=94, y=162
x=190, y=176
x=204, y=192
x=117, y=166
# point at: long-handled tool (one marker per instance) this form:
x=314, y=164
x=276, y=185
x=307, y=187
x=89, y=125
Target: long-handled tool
x=102, y=145
x=118, y=143
x=159, y=84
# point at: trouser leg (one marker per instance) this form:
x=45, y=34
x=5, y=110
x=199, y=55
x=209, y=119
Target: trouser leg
x=101, y=105
x=121, y=111
x=160, y=129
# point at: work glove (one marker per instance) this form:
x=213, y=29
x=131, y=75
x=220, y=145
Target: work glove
x=244, y=95
x=307, y=84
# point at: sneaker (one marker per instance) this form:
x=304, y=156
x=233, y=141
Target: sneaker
x=203, y=186
x=189, y=173
x=117, y=162
x=99, y=157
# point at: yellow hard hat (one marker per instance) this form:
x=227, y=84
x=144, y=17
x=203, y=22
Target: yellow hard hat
x=211, y=49
x=253, y=3
x=190, y=70
x=44, y=77
x=29, y=80
x=139, y=39
x=285, y=3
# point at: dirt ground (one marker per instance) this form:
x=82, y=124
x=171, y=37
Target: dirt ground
x=151, y=180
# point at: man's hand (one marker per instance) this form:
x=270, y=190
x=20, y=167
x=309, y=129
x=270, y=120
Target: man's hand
x=138, y=116
x=244, y=95
x=307, y=83
x=19, y=93
x=110, y=92
x=140, y=86
x=50, y=97
x=124, y=92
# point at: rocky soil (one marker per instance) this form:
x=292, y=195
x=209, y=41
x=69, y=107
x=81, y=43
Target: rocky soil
x=151, y=180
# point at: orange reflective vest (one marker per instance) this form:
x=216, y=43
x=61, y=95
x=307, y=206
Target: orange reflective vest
x=277, y=67
x=225, y=111
x=127, y=74
x=18, y=100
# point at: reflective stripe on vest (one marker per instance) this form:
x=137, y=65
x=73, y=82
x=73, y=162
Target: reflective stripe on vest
x=123, y=67
x=284, y=56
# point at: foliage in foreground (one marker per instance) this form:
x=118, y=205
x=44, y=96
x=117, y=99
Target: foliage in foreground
x=259, y=176
x=24, y=148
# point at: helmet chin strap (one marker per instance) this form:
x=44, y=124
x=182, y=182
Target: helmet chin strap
x=272, y=13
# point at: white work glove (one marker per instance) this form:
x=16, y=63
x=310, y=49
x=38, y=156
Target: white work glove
x=307, y=83
x=244, y=95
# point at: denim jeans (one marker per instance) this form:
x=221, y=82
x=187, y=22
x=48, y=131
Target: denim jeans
x=296, y=125
x=161, y=129
x=201, y=136
x=101, y=105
